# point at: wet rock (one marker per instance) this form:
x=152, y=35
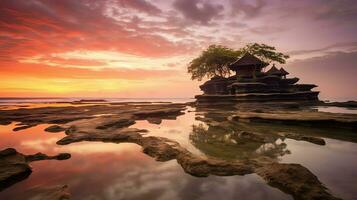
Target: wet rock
x=295, y=180
x=161, y=149
x=120, y=123
x=4, y=122
x=304, y=118
x=163, y=112
x=152, y=120
x=314, y=140
x=347, y=104
x=65, y=119
x=55, y=129
x=124, y=112
x=122, y=135
x=249, y=136
x=14, y=166
x=41, y=156
x=201, y=167
x=115, y=128
x=90, y=101
x=19, y=128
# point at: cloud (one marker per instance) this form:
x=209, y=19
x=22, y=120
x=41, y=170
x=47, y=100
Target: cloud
x=198, y=10
x=140, y=5
x=12, y=69
x=157, y=38
x=335, y=74
x=345, y=47
x=341, y=10
x=247, y=8
x=37, y=26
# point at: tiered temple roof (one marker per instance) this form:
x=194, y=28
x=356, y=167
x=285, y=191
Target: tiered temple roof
x=251, y=84
x=248, y=60
x=274, y=71
x=283, y=72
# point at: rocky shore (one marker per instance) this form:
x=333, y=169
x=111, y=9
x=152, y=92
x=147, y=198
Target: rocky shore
x=14, y=166
x=112, y=123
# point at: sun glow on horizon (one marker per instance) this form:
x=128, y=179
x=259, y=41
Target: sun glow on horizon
x=141, y=48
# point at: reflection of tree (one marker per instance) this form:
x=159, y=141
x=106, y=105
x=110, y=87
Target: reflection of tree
x=228, y=142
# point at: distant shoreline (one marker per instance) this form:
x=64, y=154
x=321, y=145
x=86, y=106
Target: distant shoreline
x=6, y=100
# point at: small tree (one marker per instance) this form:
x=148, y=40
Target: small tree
x=214, y=61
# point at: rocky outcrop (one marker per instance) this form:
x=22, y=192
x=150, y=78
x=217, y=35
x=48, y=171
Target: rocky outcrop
x=118, y=115
x=347, y=104
x=296, y=179
x=112, y=124
x=163, y=149
x=304, y=118
x=153, y=120
x=14, y=166
x=54, y=129
x=299, y=137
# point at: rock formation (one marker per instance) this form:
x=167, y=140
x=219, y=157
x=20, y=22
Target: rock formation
x=14, y=166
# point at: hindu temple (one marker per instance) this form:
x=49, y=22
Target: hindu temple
x=251, y=83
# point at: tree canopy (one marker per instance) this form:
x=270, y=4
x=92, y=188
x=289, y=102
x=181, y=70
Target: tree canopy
x=214, y=61
x=265, y=52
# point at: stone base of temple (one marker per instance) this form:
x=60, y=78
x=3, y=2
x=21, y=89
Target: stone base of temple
x=310, y=96
x=251, y=84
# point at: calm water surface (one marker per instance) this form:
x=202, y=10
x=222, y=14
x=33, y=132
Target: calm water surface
x=121, y=171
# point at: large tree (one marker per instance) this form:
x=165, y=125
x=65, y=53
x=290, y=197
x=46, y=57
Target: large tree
x=214, y=61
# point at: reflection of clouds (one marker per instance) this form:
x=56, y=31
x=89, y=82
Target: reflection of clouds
x=29, y=141
x=111, y=171
x=168, y=181
x=98, y=147
x=40, y=145
x=151, y=182
x=274, y=149
x=177, y=130
x=334, y=163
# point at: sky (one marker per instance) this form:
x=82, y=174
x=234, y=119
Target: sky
x=141, y=48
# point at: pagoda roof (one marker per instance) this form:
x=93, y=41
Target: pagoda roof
x=283, y=71
x=274, y=71
x=248, y=60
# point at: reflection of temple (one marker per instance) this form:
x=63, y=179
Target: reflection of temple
x=251, y=83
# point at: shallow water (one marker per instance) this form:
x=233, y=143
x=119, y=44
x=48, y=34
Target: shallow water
x=11, y=101
x=99, y=170
x=120, y=171
x=334, y=109
x=334, y=164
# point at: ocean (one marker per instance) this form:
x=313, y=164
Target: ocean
x=11, y=100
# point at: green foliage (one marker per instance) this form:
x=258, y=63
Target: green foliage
x=214, y=61
x=265, y=52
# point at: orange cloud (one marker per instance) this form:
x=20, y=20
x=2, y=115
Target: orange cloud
x=13, y=69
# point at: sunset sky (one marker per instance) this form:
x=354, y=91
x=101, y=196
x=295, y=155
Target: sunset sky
x=140, y=48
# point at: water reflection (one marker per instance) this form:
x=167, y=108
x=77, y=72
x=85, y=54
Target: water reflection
x=178, y=129
x=334, y=164
x=333, y=109
x=120, y=171
x=206, y=132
